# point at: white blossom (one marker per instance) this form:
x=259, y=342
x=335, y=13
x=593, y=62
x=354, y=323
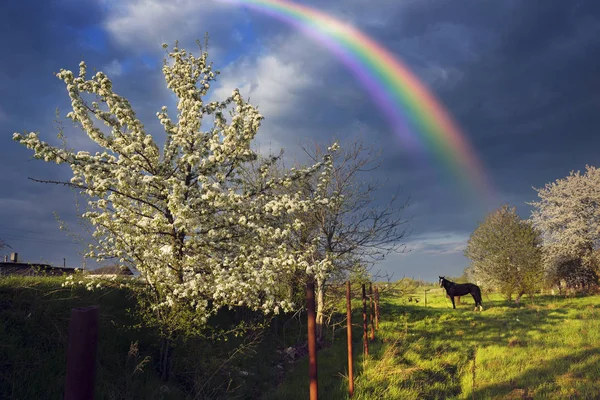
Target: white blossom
x=568, y=214
x=181, y=215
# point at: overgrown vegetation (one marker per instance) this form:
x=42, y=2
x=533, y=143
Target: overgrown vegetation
x=34, y=314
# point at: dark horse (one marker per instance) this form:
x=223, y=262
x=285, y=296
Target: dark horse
x=461, y=289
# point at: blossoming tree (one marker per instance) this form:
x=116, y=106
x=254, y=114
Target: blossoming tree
x=182, y=215
x=568, y=214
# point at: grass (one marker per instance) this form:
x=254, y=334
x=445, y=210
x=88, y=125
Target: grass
x=546, y=350
x=34, y=315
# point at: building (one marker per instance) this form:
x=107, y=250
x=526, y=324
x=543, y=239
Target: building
x=14, y=267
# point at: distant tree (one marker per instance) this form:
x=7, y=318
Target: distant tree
x=464, y=278
x=506, y=253
x=568, y=214
x=181, y=215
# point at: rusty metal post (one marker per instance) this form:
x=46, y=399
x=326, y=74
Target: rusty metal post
x=372, y=311
x=377, y=307
x=365, y=324
x=349, y=334
x=312, y=339
x=81, y=353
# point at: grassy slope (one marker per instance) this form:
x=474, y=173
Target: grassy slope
x=546, y=350
x=34, y=314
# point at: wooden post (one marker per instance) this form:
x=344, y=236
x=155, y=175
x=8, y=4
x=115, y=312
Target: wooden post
x=365, y=324
x=349, y=334
x=377, y=307
x=81, y=353
x=372, y=311
x=312, y=339
x=425, y=293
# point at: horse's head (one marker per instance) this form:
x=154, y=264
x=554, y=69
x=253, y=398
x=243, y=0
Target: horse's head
x=442, y=279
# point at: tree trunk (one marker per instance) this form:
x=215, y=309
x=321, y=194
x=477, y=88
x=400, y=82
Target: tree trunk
x=320, y=307
x=518, y=299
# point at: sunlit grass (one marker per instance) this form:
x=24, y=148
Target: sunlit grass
x=546, y=350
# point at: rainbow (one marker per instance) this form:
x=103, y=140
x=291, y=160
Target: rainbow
x=406, y=102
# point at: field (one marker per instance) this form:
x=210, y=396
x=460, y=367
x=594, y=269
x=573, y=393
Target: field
x=546, y=350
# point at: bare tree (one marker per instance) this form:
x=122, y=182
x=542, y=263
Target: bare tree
x=357, y=231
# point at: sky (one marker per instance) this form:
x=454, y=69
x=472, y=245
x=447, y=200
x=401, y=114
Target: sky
x=520, y=78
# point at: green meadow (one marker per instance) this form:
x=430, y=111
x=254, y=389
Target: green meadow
x=547, y=349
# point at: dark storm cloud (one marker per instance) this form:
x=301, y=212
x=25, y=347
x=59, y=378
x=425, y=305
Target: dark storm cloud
x=39, y=38
x=532, y=96
x=528, y=99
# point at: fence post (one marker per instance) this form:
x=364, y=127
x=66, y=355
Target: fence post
x=425, y=292
x=81, y=353
x=365, y=324
x=372, y=311
x=349, y=327
x=312, y=339
x=377, y=307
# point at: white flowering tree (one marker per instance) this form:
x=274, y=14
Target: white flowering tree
x=354, y=231
x=505, y=252
x=568, y=214
x=180, y=213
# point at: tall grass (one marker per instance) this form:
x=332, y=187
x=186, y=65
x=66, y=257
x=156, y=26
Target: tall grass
x=34, y=315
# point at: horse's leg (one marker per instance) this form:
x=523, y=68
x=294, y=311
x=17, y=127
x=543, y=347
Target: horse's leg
x=474, y=295
x=479, y=300
x=453, y=305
